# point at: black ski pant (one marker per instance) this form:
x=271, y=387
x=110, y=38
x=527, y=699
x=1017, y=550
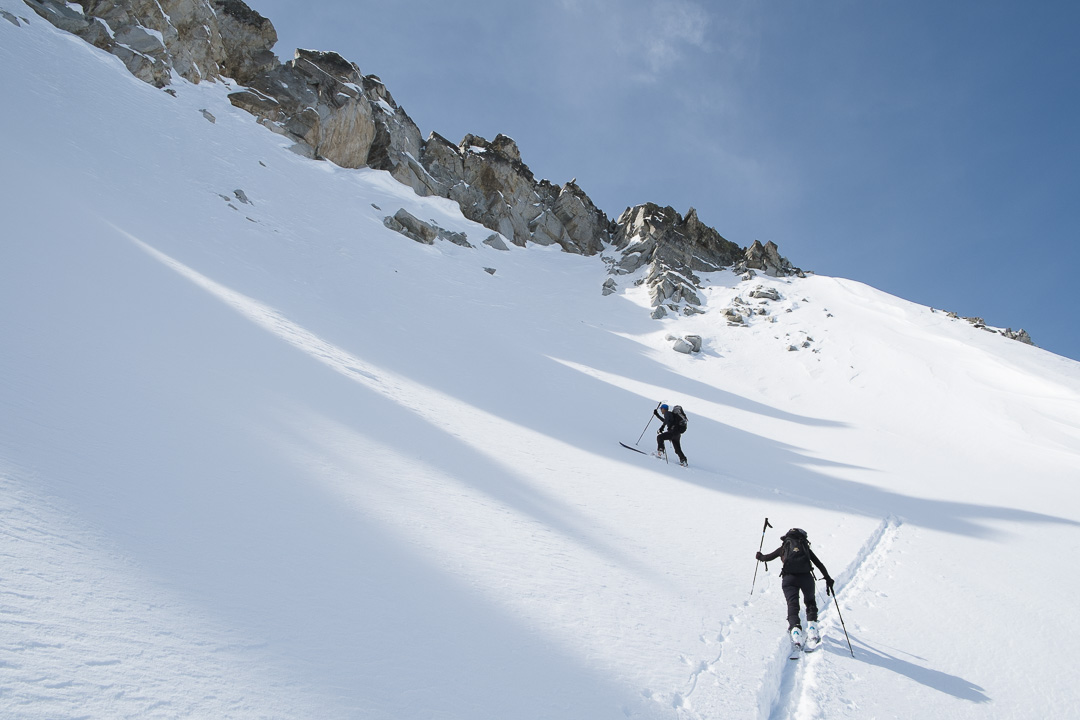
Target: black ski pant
x=675, y=443
x=793, y=585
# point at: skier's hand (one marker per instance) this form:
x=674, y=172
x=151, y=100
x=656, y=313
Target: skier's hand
x=759, y=556
x=828, y=586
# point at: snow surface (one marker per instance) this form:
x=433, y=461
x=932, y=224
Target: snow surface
x=273, y=460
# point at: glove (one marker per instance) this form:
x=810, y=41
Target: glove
x=828, y=586
x=759, y=556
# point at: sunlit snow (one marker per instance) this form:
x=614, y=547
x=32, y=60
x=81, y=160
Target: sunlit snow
x=275, y=460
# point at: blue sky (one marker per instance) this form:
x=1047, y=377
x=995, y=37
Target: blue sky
x=929, y=149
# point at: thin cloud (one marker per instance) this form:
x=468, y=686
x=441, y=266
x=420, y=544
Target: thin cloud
x=674, y=27
x=650, y=37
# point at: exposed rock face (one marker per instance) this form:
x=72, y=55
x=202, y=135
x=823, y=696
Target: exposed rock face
x=674, y=249
x=114, y=30
x=648, y=234
x=495, y=188
x=198, y=39
x=586, y=225
x=767, y=258
x=247, y=39
x=318, y=100
x=333, y=111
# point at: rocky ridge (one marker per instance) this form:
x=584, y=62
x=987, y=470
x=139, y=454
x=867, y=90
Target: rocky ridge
x=332, y=111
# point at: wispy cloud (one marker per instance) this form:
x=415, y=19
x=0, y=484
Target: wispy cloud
x=650, y=39
x=672, y=28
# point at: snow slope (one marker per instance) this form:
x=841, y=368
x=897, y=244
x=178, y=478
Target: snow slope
x=273, y=460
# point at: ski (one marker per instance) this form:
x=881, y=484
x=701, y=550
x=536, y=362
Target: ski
x=655, y=455
x=809, y=645
x=806, y=649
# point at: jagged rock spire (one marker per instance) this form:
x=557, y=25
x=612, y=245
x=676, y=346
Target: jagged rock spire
x=767, y=259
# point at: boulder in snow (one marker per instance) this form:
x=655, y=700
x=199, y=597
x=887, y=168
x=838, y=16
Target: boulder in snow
x=765, y=293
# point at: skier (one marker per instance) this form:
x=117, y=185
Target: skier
x=798, y=576
x=675, y=422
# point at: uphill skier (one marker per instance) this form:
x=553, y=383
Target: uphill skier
x=674, y=420
x=798, y=576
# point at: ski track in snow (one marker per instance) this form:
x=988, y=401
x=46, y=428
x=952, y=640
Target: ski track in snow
x=796, y=697
x=785, y=689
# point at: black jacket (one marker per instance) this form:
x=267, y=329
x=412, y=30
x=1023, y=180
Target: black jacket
x=787, y=561
x=670, y=420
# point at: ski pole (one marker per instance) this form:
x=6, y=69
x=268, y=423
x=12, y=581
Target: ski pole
x=842, y=624
x=648, y=424
x=760, y=545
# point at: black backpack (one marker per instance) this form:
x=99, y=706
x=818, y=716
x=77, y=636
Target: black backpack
x=680, y=418
x=795, y=552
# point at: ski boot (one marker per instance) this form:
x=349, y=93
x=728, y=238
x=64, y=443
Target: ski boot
x=796, y=643
x=797, y=637
x=684, y=463
x=813, y=635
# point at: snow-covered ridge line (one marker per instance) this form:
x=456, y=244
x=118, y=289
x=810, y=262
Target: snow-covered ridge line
x=330, y=110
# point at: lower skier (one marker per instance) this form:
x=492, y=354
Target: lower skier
x=674, y=419
x=798, y=576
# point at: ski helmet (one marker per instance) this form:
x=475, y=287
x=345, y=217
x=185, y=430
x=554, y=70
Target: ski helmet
x=663, y=406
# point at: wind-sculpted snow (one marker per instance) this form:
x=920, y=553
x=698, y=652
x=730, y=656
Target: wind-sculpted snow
x=270, y=458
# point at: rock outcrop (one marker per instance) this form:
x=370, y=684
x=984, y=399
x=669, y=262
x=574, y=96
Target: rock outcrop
x=493, y=187
x=1020, y=335
x=673, y=249
x=197, y=39
x=765, y=293
x=317, y=99
x=426, y=233
x=332, y=111
x=767, y=259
